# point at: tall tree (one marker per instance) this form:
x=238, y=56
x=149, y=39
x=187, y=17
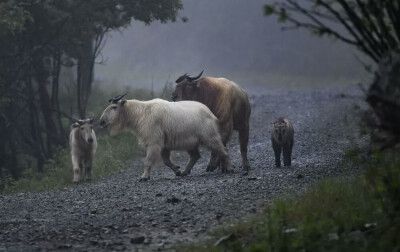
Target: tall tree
x=372, y=26
x=37, y=40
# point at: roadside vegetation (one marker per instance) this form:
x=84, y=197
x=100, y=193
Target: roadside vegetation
x=360, y=213
x=113, y=153
x=48, y=50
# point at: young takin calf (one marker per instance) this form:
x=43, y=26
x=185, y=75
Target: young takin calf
x=282, y=139
x=83, y=143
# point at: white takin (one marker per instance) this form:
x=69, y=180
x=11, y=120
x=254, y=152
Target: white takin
x=83, y=143
x=163, y=126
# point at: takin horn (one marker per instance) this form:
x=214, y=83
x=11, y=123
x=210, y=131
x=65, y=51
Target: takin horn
x=181, y=78
x=117, y=98
x=195, y=78
x=80, y=122
x=188, y=77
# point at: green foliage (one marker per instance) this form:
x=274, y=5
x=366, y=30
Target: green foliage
x=112, y=156
x=344, y=214
x=113, y=153
x=39, y=42
x=283, y=15
x=370, y=26
x=269, y=9
x=13, y=18
x=384, y=176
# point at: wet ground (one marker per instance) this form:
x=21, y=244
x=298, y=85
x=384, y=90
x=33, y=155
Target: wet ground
x=122, y=214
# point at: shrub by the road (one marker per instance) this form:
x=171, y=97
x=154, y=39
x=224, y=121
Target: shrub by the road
x=113, y=153
x=361, y=213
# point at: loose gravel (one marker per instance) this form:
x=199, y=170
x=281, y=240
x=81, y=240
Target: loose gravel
x=122, y=214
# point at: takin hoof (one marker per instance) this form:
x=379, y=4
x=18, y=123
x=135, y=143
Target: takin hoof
x=211, y=168
x=77, y=182
x=178, y=173
x=228, y=171
x=245, y=173
x=246, y=168
x=185, y=173
x=144, y=179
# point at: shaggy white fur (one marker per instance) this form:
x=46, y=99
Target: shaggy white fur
x=83, y=144
x=162, y=126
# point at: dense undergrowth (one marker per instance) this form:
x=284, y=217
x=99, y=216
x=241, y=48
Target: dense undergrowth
x=113, y=153
x=360, y=213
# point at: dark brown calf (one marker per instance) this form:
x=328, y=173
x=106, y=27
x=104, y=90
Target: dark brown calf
x=282, y=138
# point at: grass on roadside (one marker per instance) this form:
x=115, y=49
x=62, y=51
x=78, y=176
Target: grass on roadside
x=113, y=152
x=112, y=155
x=352, y=214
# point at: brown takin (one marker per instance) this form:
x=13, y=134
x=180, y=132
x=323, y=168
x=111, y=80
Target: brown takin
x=282, y=138
x=227, y=101
x=83, y=143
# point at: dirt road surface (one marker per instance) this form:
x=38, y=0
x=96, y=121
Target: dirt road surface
x=122, y=214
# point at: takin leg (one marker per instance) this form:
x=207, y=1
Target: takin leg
x=194, y=156
x=153, y=154
x=277, y=150
x=215, y=145
x=76, y=169
x=81, y=170
x=88, y=169
x=287, y=154
x=165, y=155
x=226, y=133
x=213, y=163
x=244, y=140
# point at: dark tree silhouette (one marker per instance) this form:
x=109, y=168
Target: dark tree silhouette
x=37, y=40
x=372, y=26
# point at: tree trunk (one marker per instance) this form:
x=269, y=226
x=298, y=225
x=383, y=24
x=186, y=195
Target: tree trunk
x=36, y=140
x=85, y=76
x=41, y=76
x=384, y=93
x=55, y=93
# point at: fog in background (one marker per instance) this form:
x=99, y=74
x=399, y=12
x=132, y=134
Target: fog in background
x=229, y=38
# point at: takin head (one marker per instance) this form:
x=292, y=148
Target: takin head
x=281, y=130
x=186, y=87
x=111, y=113
x=85, y=128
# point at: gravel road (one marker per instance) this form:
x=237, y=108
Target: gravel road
x=119, y=213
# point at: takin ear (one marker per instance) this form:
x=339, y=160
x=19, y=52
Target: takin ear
x=123, y=101
x=194, y=84
x=75, y=125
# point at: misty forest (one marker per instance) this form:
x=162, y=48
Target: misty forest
x=178, y=125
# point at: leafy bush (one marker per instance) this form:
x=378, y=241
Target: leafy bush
x=348, y=214
x=112, y=155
